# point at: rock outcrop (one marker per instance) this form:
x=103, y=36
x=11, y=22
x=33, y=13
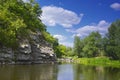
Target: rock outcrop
x=32, y=50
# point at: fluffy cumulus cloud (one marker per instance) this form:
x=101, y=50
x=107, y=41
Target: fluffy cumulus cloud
x=59, y=37
x=101, y=27
x=115, y=6
x=25, y=1
x=53, y=16
x=68, y=44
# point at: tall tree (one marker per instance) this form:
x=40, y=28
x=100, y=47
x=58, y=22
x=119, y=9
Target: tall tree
x=92, y=45
x=113, y=48
x=77, y=46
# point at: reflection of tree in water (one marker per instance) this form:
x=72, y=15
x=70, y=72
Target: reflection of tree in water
x=28, y=72
x=78, y=70
x=65, y=72
x=50, y=72
x=83, y=72
x=112, y=73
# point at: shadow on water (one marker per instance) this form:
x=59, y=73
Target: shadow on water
x=58, y=72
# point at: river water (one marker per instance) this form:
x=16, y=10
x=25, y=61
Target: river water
x=58, y=72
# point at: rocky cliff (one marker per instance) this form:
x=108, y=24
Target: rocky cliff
x=31, y=50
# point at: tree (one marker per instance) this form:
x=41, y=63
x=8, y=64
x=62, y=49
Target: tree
x=92, y=45
x=10, y=24
x=60, y=51
x=113, y=48
x=77, y=46
x=17, y=19
x=69, y=51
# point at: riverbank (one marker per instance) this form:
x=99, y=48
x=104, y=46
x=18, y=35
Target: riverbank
x=97, y=61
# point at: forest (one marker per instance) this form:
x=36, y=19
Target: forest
x=96, y=45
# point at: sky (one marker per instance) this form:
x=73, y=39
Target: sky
x=68, y=18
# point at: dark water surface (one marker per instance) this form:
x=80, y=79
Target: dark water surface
x=58, y=72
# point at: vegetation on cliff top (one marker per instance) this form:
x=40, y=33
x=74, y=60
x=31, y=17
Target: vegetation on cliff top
x=18, y=18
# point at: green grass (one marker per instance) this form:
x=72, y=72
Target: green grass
x=103, y=61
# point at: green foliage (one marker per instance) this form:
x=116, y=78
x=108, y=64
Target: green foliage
x=92, y=45
x=69, y=51
x=9, y=25
x=16, y=19
x=113, y=46
x=56, y=48
x=61, y=50
x=77, y=46
x=48, y=37
x=104, y=61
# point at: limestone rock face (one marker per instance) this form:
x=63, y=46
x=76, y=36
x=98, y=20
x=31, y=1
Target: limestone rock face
x=6, y=55
x=32, y=50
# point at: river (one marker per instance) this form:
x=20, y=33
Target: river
x=58, y=72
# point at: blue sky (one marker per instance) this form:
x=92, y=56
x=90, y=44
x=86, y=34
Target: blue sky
x=66, y=18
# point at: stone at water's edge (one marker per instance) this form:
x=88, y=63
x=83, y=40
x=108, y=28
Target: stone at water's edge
x=30, y=51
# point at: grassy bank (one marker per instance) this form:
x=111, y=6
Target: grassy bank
x=97, y=61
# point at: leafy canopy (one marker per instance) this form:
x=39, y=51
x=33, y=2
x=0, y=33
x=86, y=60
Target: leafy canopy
x=16, y=18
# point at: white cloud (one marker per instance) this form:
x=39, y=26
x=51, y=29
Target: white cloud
x=71, y=30
x=115, y=6
x=68, y=44
x=25, y=1
x=63, y=40
x=101, y=27
x=53, y=16
x=59, y=37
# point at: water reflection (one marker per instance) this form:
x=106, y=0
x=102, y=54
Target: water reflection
x=28, y=72
x=58, y=72
x=65, y=72
x=82, y=72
